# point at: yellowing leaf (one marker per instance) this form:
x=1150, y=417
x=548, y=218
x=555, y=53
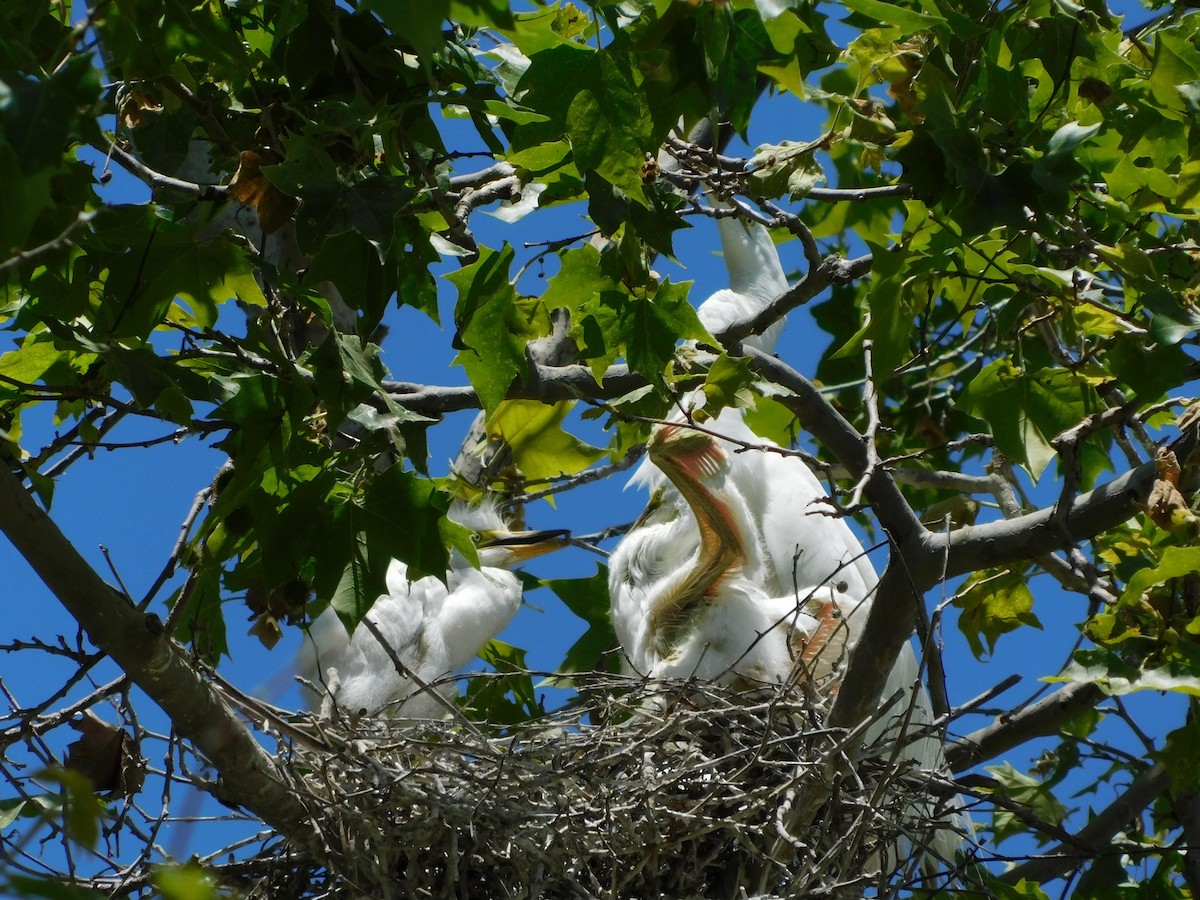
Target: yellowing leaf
x=253, y=188
x=994, y=604
x=1100, y=668
x=540, y=447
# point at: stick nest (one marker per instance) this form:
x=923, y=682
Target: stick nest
x=634, y=791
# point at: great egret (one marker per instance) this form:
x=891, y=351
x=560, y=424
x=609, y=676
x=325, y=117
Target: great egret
x=804, y=570
x=434, y=628
x=687, y=586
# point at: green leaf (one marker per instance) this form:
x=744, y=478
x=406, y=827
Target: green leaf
x=1115, y=677
x=651, y=326
x=401, y=514
x=1065, y=140
x=1170, y=320
x=540, y=447
x=994, y=604
x=597, y=649
x=82, y=808
x=10, y=810
x=1176, y=562
x=494, y=325
x=28, y=364
x=1148, y=371
x=509, y=699
x=727, y=383
x=609, y=124
x=186, y=882
x=1025, y=411
x=202, y=626
x=420, y=21
x=1035, y=795
x=788, y=167
x=907, y=20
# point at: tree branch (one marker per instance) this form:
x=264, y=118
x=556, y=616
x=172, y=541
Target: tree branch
x=1013, y=729
x=1095, y=838
x=138, y=644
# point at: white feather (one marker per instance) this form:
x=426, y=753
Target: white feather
x=434, y=628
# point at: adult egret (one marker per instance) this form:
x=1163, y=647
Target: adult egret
x=693, y=597
x=687, y=585
x=433, y=627
x=804, y=569
x=804, y=546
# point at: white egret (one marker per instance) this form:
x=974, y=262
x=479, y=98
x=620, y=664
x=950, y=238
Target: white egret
x=802, y=566
x=434, y=628
x=804, y=546
x=687, y=585
x=693, y=598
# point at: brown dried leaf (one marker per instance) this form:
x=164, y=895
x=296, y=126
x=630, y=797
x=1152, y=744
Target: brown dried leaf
x=1167, y=509
x=1189, y=416
x=1168, y=466
x=266, y=629
x=107, y=755
x=134, y=104
x=253, y=188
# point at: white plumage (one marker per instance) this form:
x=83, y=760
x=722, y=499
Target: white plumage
x=803, y=568
x=689, y=584
x=434, y=628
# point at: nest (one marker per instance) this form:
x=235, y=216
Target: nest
x=633, y=791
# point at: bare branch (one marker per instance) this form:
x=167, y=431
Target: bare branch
x=158, y=181
x=1013, y=729
x=138, y=644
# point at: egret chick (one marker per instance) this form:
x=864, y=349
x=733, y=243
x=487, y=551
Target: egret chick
x=686, y=584
x=433, y=628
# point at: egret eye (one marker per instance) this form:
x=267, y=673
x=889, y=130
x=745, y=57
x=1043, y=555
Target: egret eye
x=476, y=537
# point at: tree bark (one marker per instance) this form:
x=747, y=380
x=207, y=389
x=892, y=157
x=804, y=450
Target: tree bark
x=136, y=642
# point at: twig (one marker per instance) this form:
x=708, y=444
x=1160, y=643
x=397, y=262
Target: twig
x=157, y=181
x=63, y=239
x=198, y=503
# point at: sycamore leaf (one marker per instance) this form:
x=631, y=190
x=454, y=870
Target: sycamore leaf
x=588, y=599
x=609, y=124
x=186, y=882
x=1115, y=677
x=507, y=699
x=1029, y=792
x=994, y=604
x=1026, y=410
x=789, y=167
x=907, y=20
x=540, y=447
x=494, y=325
x=1176, y=562
x=651, y=326
x=251, y=187
x=727, y=383
x=82, y=809
x=107, y=755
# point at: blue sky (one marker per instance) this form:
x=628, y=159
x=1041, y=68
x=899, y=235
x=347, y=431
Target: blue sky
x=131, y=502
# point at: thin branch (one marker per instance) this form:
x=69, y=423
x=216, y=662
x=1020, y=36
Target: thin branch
x=1095, y=838
x=137, y=643
x=871, y=402
x=571, y=482
x=1016, y=728
x=63, y=239
x=158, y=181
x=185, y=529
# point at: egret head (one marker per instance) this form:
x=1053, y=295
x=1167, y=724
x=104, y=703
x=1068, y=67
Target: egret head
x=694, y=453
x=498, y=544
